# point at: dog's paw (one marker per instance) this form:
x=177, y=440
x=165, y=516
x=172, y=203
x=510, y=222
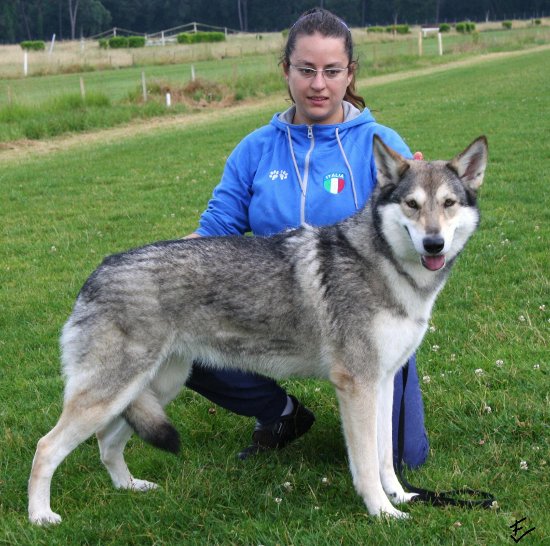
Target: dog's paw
x=401, y=497
x=393, y=513
x=44, y=518
x=142, y=485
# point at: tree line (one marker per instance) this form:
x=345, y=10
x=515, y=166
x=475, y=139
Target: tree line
x=73, y=19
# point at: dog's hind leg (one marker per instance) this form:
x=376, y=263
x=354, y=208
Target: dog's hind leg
x=146, y=416
x=358, y=399
x=389, y=480
x=112, y=439
x=76, y=424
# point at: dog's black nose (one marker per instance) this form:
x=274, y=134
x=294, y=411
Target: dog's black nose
x=433, y=245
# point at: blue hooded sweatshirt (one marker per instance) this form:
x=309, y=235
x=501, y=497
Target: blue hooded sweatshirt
x=283, y=175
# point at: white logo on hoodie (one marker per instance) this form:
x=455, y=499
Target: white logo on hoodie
x=281, y=175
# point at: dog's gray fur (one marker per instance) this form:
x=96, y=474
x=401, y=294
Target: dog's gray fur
x=348, y=302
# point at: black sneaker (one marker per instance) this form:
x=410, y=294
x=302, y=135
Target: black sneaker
x=280, y=433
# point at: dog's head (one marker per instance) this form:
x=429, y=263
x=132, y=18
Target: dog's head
x=434, y=202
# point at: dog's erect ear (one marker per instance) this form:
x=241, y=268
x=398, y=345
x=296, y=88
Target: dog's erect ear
x=390, y=166
x=470, y=164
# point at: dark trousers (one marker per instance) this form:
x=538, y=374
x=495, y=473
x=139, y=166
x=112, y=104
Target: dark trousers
x=257, y=396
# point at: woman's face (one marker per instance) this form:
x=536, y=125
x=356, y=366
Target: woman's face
x=318, y=98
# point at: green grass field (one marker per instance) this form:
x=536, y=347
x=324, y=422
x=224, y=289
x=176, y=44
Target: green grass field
x=483, y=367
x=50, y=105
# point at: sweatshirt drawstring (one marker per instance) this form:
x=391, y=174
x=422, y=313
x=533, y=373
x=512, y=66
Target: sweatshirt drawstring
x=349, y=169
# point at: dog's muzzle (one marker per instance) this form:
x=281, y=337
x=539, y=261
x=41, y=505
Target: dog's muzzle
x=433, y=260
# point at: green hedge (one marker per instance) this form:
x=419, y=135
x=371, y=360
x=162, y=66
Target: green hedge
x=33, y=45
x=444, y=27
x=118, y=42
x=136, y=41
x=376, y=29
x=197, y=37
x=398, y=29
x=507, y=24
x=465, y=27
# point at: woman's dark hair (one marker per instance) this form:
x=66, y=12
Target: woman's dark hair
x=327, y=24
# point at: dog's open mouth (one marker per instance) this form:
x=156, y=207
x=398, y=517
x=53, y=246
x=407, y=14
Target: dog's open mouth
x=433, y=263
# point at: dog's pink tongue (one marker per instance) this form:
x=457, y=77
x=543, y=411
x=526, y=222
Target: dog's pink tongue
x=433, y=263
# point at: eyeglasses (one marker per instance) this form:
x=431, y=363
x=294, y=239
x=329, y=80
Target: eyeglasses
x=309, y=73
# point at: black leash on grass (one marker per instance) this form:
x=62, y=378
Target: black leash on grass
x=464, y=497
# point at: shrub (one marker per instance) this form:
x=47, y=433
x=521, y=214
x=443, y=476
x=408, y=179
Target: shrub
x=538, y=22
x=185, y=38
x=376, y=29
x=118, y=42
x=33, y=45
x=136, y=41
x=465, y=27
x=507, y=24
x=197, y=37
x=103, y=43
x=444, y=27
x=398, y=29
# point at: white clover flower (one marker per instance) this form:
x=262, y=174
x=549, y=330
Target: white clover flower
x=287, y=486
x=523, y=465
x=53, y=248
x=432, y=328
x=487, y=409
x=536, y=367
x=542, y=307
x=435, y=348
x=278, y=500
x=499, y=363
x=324, y=481
x=316, y=507
x=426, y=379
x=453, y=357
x=479, y=372
x=521, y=318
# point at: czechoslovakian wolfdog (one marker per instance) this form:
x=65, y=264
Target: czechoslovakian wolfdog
x=348, y=302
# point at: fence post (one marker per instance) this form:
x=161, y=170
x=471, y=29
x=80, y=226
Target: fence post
x=51, y=45
x=25, y=63
x=440, y=43
x=192, y=72
x=420, y=43
x=168, y=100
x=143, y=87
x=82, y=88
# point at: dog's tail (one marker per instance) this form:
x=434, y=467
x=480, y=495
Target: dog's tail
x=146, y=416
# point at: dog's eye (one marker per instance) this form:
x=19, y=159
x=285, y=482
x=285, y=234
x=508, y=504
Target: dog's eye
x=412, y=204
x=449, y=203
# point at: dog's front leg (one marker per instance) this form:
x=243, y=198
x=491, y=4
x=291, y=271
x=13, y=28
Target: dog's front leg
x=389, y=480
x=358, y=399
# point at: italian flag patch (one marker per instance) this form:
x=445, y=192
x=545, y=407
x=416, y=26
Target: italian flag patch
x=334, y=183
